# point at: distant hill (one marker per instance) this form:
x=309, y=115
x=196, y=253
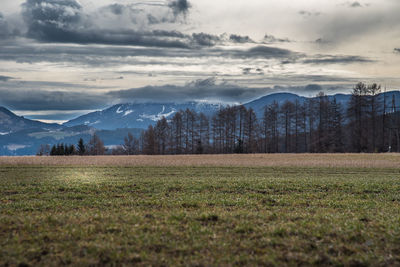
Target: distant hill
x=9, y=123
x=27, y=142
x=259, y=105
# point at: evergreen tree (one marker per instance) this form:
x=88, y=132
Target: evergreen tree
x=53, y=151
x=81, y=147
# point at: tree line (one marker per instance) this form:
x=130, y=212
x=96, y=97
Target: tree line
x=317, y=125
x=94, y=147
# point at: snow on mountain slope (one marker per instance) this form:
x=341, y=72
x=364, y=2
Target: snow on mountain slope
x=140, y=115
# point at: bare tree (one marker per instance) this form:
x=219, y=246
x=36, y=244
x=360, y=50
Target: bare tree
x=44, y=150
x=177, y=132
x=131, y=145
x=96, y=146
x=287, y=111
x=162, y=136
x=149, y=141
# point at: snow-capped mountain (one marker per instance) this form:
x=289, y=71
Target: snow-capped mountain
x=137, y=115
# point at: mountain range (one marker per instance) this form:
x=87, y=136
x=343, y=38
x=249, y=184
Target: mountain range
x=21, y=136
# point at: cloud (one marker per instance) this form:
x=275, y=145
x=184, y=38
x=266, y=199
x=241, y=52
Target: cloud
x=140, y=15
x=246, y=71
x=240, y=39
x=50, y=100
x=210, y=89
x=310, y=90
x=362, y=28
x=272, y=39
x=336, y=59
x=355, y=4
x=209, y=82
x=5, y=32
x=321, y=41
x=313, y=88
x=205, y=39
x=52, y=20
x=266, y=52
x=99, y=56
x=252, y=71
x=47, y=18
x=180, y=7
x=397, y=50
x=306, y=13
x=116, y=9
x=5, y=78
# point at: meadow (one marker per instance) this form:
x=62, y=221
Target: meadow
x=220, y=210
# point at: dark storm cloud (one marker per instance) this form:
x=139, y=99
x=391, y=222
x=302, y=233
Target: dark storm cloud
x=179, y=7
x=5, y=78
x=116, y=55
x=240, y=39
x=64, y=21
x=50, y=100
x=207, y=89
x=205, y=39
x=125, y=37
x=52, y=20
x=337, y=59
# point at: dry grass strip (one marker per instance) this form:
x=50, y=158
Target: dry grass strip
x=278, y=160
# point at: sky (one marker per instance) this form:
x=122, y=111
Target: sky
x=63, y=58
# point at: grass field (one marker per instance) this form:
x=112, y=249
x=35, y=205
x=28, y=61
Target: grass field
x=237, y=210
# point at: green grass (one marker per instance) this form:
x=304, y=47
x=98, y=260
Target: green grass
x=199, y=216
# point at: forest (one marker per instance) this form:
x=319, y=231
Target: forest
x=369, y=124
